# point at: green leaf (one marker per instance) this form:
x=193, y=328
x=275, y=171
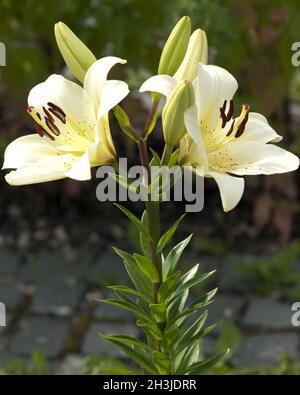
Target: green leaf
x=200, y=302
x=185, y=339
x=188, y=356
x=140, y=281
x=162, y=362
x=156, y=159
x=168, y=234
x=167, y=287
x=125, y=124
x=137, y=354
x=151, y=329
x=125, y=339
x=170, y=337
x=127, y=306
x=133, y=218
x=173, y=158
x=147, y=267
x=186, y=283
x=170, y=263
x=144, y=239
x=200, y=367
x=125, y=289
x=159, y=311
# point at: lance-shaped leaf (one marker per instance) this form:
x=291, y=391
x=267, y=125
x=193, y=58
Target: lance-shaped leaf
x=144, y=240
x=162, y=362
x=133, y=218
x=137, y=354
x=140, y=281
x=186, y=282
x=147, y=267
x=200, y=367
x=171, y=261
x=167, y=287
x=127, y=305
x=159, y=311
x=168, y=234
x=151, y=329
x=123, y=289
x=125, y=124
x=185, y=339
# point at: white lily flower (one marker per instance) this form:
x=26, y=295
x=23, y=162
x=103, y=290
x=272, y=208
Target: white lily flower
x=229, y=147
x=72, y=127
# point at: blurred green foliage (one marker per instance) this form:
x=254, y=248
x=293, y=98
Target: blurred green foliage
x=252, y=38
x=278, y=272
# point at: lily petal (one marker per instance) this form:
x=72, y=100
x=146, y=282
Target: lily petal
x=258, y=130
x=26, y=150
x=43, y=170
x=231, y=189
x=112, y=92
x=163, y=84
x=81, y=170
x=213, y=86
x=67, y=95
x=192, y=126
x=250, y=158
x=97, y=75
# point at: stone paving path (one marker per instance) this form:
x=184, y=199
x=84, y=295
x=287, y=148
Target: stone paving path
x=51, y=306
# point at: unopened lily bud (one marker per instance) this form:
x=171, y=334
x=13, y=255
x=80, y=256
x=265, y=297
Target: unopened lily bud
x=175, y=47
x=75, y=53
x=180, y=100
x=197, y=52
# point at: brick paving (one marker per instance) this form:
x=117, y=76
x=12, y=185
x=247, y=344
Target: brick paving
x=51, y=306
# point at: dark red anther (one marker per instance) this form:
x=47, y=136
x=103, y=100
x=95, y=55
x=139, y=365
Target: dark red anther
x=57, y=111
x=231, y=129
x=52, y=126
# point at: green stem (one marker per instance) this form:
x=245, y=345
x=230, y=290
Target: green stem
x=166, y=155
x=153, y=215
x=151, y=115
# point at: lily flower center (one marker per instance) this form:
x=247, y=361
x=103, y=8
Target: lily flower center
x=55, y=125
x=227, y=128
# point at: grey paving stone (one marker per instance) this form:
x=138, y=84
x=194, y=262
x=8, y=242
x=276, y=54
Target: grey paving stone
x=3, y=329
x=59, y=299
x=9, y=262
x=5, y=356
x=268, y=313
x=95, y=345
x=108, y=269
x=224, y=307
x=52, y=268
x=10, y=294
x=231, y=279
x=72, y=364
x=45, y=334
x=257, y=350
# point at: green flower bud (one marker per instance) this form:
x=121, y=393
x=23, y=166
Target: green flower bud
x=175, y=47
x=173, y=113
x=197, y=52
x=76, y=54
